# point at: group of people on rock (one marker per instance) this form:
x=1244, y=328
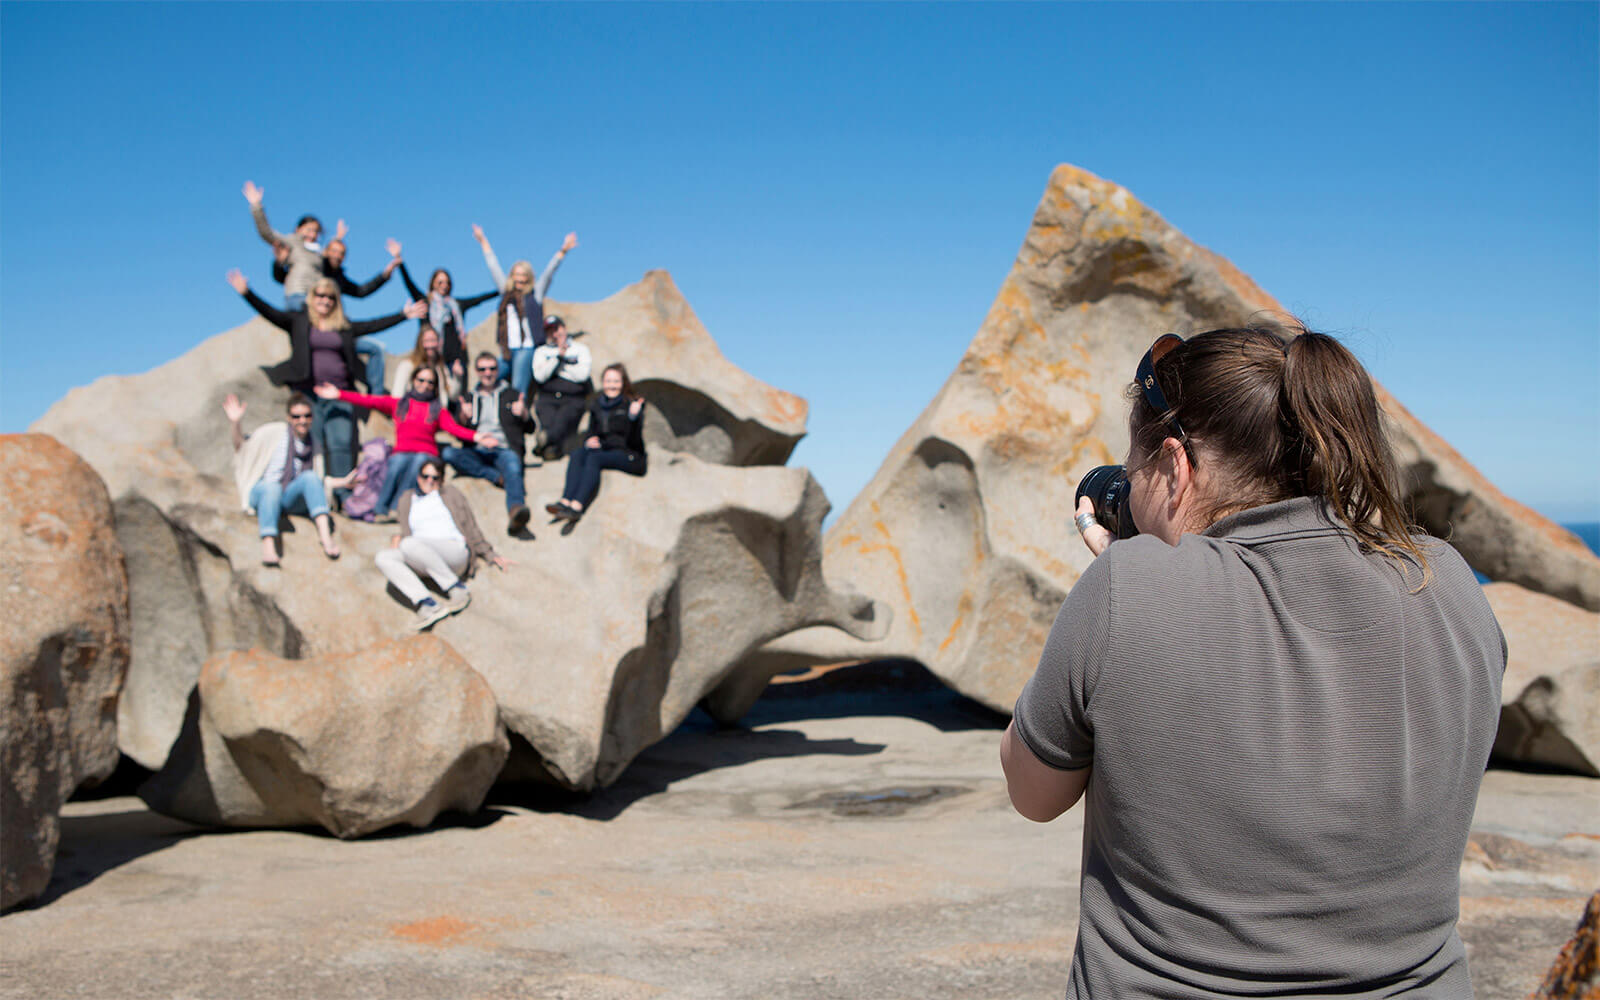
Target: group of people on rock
x=534, y=392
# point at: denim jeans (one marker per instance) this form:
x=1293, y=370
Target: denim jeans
x=500, y=466
x=333, y=421
x=399, y=476
x=294, y=302
x=369, y=348
x=584, y=465
x=271, y=500
x=519, y=370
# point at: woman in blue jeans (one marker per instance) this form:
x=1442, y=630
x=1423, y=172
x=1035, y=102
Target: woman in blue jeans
x=279, y=469
x=614, y=440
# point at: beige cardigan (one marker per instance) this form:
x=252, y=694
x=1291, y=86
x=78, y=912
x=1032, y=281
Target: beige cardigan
x=251, y=460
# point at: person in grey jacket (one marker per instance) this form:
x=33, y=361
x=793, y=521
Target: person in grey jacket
x=1278, y=700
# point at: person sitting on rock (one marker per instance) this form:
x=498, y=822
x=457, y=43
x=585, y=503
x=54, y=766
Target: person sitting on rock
x=322, y=350
x=425, y=353
x=418, y=416
x=614, y=440
x=438, y=536
x=520, y=324
x=368, y=348
x=561, y=367
x=447, y=315
x=278, y=469
x=495, y=410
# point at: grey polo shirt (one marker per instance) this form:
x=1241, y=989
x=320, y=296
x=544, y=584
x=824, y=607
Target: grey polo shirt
x=1287, y=745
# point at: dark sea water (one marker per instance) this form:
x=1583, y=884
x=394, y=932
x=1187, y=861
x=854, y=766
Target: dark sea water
x=1590, y=533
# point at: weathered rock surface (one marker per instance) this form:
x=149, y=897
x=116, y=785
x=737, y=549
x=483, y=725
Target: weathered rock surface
x=596, y=642
x=394, y=734
x=63, y=648
x=1550, y=698
x=1575, y=974
x=966, y=530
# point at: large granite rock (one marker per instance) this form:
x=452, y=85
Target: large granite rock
x=63, y=649
x=596, y=642
x=394, y=734
x=1550, y=698
x=966, y=530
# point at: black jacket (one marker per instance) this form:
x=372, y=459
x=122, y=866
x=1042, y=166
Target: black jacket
x=453, y=346
x=346, y=286
x=615, y=429
x=513, y=426
x=296, y=372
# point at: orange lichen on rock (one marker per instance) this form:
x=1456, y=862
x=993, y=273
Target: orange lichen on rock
x=1575, y=975
x=439, y=932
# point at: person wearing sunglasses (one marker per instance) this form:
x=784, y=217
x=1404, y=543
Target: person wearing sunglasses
x=447, y=315
x=496, y=413
x=322, y=350
x=279, y=469
x=1277, y=699
x=418, y=417
x=438, y=536
x=369, y=349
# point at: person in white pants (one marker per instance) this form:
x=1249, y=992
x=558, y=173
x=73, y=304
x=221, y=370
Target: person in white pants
x=439, y=537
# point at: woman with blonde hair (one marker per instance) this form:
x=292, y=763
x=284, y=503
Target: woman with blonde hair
x=519, y=323
x=322, y=350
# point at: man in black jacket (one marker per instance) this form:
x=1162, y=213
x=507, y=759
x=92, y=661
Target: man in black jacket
x=497, y=408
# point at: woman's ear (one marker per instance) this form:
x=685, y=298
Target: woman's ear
x=1181, y=480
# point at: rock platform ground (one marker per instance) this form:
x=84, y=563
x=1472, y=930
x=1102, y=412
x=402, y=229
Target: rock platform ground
x=853, y=840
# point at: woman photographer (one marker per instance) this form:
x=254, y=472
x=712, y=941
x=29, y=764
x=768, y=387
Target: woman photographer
x=1279, y=700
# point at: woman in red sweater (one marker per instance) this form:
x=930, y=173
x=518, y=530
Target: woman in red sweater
x=418, y=416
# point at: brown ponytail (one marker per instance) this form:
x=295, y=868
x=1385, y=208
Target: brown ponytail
x=1281, y=413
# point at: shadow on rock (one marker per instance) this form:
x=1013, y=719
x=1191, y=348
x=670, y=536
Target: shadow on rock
x=93, y=845
x=895, y=687
x=697, y=746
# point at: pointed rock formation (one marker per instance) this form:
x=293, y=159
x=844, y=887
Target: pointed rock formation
x=966, y=530
x=596, y=643
x=63, y=648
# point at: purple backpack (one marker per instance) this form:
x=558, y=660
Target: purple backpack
x=374, y=462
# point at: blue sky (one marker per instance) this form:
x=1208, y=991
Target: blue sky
x=838, y=189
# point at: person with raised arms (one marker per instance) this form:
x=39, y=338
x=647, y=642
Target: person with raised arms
x=440, y=537
x=279, y=469
x=613, y=440
x=322, y=350
x=519, y=326
x=418, y=416
x=447, y=315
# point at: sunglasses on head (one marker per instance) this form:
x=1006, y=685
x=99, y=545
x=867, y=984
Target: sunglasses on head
x=1146, y=377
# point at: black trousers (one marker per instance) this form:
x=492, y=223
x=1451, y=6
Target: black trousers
x=559, y=414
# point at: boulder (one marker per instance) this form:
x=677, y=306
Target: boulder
x=966, y=529
x=1550, y=697
x=63, y=651
x=1575, y=974
x=596, y=643
x=396, y=733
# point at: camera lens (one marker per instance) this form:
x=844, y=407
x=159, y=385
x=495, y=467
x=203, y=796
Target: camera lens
x=1107, y=488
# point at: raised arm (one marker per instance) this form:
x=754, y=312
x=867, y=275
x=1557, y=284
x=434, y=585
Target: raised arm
x=383, y=404
x=253, y=195
x=413, y=310
x=473, y=300
x=234, y=410
x=411, y=286
x=272, y=314
x=543, y=284
x=489, y=258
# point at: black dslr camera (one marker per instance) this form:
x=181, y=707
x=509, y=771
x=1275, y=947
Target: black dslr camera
x=1107, y=488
